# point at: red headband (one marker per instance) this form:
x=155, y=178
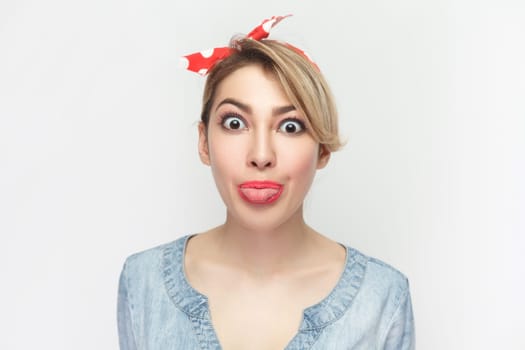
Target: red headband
x=202, y=62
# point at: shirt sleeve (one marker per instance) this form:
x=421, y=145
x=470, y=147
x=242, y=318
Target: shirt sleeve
x=125, y=325
x=401, y=335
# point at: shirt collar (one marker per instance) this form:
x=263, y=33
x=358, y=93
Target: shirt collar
x=328, y=310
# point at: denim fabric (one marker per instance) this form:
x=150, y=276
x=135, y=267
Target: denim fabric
x=369, y=308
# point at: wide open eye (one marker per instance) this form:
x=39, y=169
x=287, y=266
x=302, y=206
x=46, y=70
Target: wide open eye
x=233, y=122
x=292, y=126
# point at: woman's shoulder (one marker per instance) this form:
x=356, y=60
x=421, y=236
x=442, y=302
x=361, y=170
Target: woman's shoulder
x=379, y=275
x=152, y=259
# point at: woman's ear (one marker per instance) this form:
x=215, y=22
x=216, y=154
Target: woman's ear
x=203, y=144
x=324, y=157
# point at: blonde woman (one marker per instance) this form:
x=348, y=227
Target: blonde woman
x=264, y=279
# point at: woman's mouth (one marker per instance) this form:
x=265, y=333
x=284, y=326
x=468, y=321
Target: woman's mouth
x=260, y=192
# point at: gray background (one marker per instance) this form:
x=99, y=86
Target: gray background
x=98, y=154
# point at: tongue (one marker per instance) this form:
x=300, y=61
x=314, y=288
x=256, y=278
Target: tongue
x=259, y=194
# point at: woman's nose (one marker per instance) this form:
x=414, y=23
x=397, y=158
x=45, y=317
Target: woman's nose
x=262, y=153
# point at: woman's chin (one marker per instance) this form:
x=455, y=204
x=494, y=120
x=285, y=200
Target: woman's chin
x=260, y=220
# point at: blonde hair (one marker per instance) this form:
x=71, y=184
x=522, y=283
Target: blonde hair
x=302, y=82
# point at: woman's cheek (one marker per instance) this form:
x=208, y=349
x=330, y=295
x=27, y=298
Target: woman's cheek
x=226, y=152
x=301, y=158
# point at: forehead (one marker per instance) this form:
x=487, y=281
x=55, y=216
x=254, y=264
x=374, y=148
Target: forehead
x=253, y=85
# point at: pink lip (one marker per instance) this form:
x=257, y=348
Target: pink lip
x=260, y=192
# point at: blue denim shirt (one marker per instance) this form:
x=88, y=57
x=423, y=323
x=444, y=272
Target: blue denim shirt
x=369, y=308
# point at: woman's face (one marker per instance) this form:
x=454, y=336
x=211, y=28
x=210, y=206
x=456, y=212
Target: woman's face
x=262, y=158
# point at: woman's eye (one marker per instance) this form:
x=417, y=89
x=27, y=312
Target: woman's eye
x=291, y=126
x=233, y=123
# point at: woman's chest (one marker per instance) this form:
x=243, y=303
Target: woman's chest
x=262, y=319
x=269, y=311
x=254, y=329
x=257, y=320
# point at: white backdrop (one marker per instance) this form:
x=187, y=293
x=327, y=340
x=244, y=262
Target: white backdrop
x=98, y=153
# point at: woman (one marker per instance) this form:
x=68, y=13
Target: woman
x=264, y=279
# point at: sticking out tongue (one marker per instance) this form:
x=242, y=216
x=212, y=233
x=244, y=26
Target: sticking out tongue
x=260, y=195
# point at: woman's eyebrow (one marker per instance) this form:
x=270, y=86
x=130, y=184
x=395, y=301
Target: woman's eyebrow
x=247, y=109
x=243, y=107
x=282, y=110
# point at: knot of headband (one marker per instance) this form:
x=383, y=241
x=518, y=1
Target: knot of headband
x=202, y=62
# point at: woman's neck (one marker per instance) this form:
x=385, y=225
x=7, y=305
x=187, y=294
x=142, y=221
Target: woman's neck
x=265, y=251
